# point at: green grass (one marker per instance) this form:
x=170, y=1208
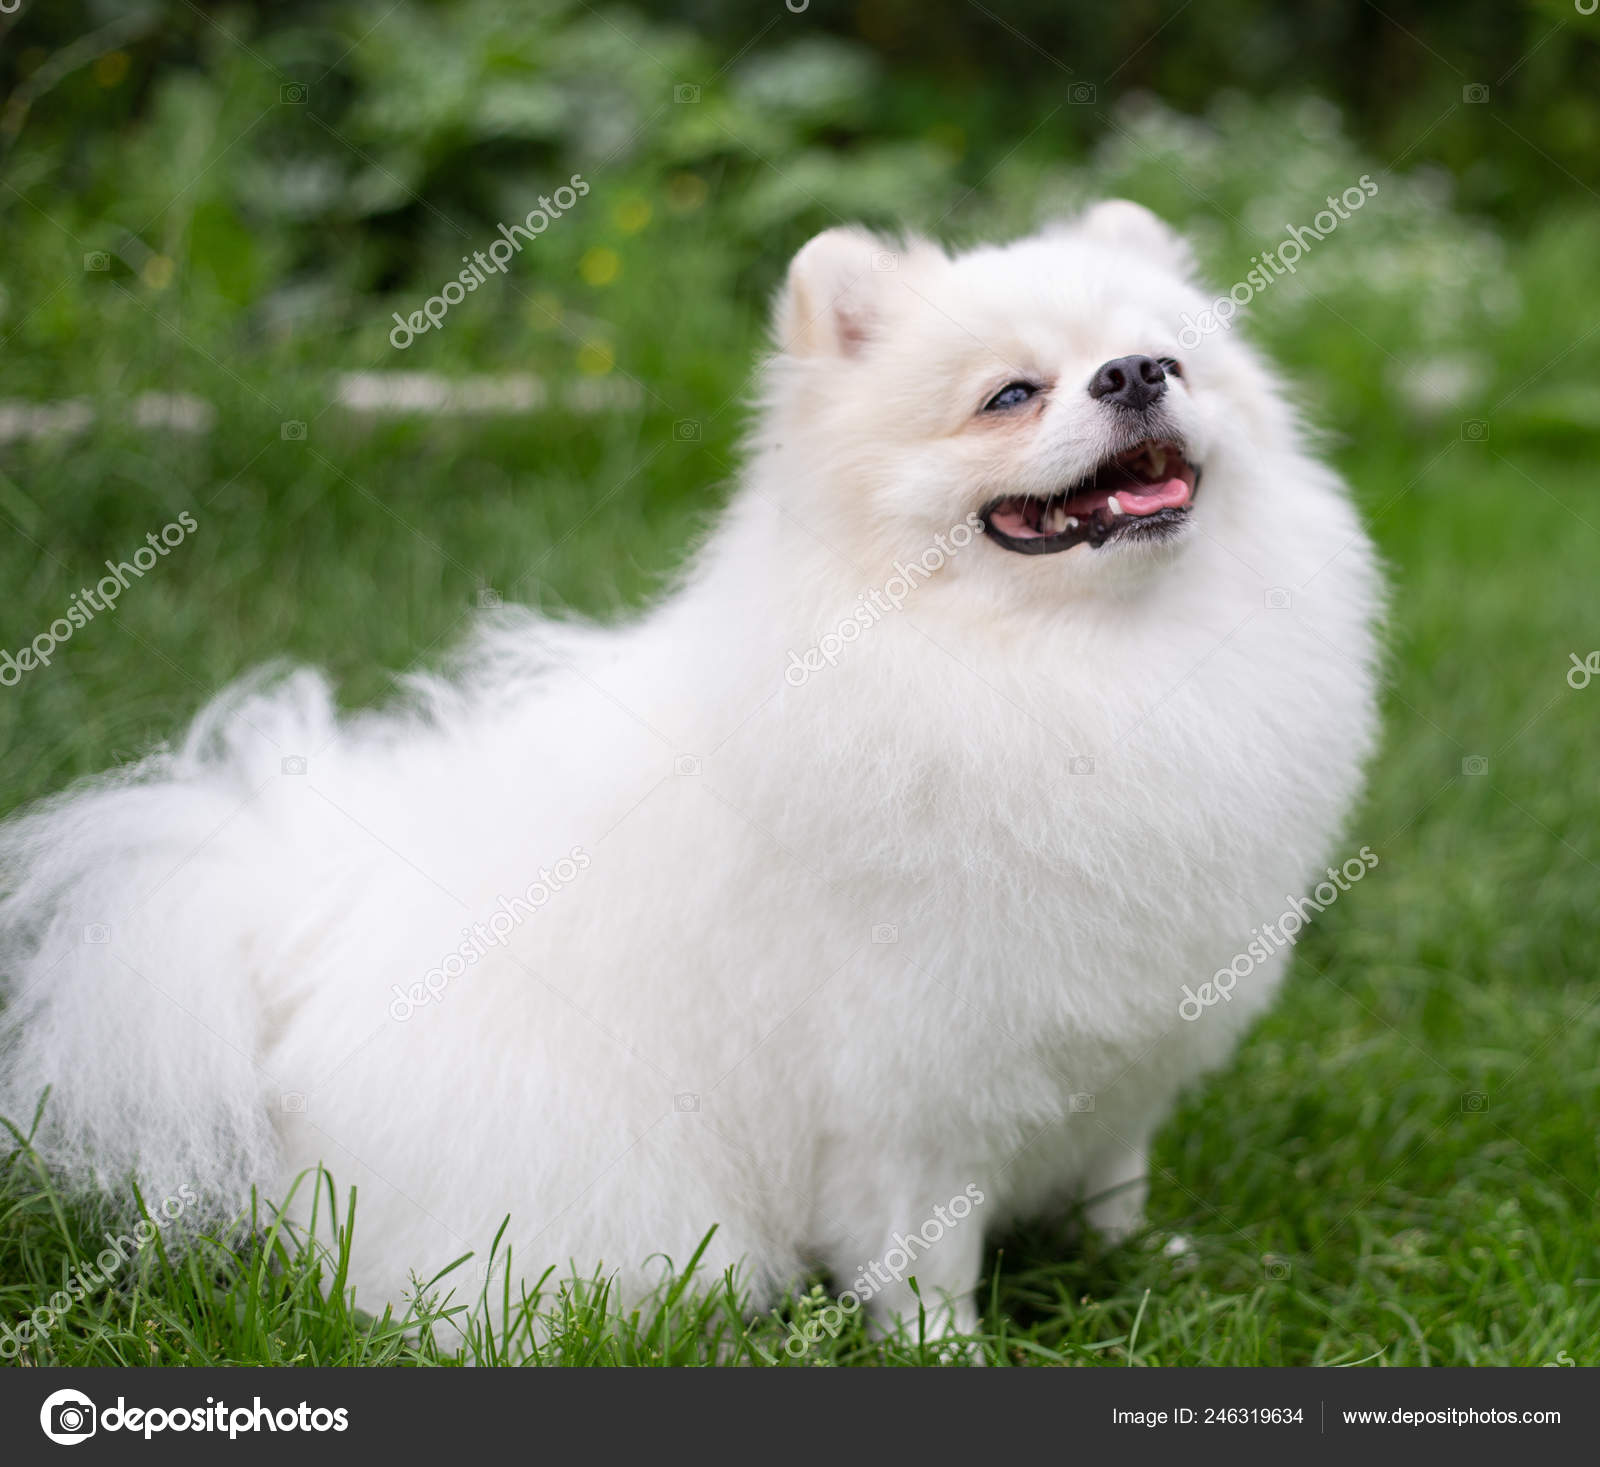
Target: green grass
x=1344, y=1202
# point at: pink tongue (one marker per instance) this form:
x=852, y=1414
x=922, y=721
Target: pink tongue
x=1148, y=500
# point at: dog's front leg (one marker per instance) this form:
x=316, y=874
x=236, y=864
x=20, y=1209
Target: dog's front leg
x=1115, y=1188
x=946, y=1278
x=931, y=1233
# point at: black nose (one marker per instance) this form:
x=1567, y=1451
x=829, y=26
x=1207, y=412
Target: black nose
x=1130, y=382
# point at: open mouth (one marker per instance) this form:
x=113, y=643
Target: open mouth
x=1145, y=491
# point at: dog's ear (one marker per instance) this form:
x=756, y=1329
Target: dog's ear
x=840, y=288
x=1132, y=227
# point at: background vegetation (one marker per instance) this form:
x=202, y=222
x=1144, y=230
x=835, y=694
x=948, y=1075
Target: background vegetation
x=210, y=214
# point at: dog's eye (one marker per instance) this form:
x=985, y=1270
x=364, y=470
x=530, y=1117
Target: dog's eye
x=1009, y=396
x=1170, y=365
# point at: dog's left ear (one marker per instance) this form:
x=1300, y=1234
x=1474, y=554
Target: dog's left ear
x=841, y=289
x=1132, y=227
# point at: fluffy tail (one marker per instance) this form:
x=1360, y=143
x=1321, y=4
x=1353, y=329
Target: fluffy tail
x=128, y=960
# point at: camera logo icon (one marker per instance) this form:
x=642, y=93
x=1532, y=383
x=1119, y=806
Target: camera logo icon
x=1474, y=1102
x=686, y=764
x=97, y=260
x=292, y=1103
x=1082, y=1103
x=686, y=92
x=1474, y=764
x=293, y=764
x=489, y=599
x=885, y=260
x=1081, y=94
x=1082, y=764
x=1278, y=598
x=1276, y=1269
x=1475, y=430
x=686, y=430
x=97, y=932
x=885, y=932
x=68, y=1417
x=1475, y=92
x=292, y=432
x=293, y=94
x=686, y=1102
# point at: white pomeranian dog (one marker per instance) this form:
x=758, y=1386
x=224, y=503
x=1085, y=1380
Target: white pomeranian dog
x=1031, y=667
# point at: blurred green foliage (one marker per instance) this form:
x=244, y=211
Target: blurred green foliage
x=340, y=150
x=283, y=177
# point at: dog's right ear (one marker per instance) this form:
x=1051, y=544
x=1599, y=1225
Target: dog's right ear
x=835, y=296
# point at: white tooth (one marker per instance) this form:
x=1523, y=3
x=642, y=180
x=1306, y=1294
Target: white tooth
x=1113, y=506
x=1055, y=520
x=1072, y=522
x=1158, y=461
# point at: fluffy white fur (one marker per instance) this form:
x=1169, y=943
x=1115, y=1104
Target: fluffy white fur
x=745, y=837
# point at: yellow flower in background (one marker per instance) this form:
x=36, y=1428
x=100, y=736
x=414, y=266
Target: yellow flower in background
x=111, y=68
x=543, y=310
x=686, y=191
x=157, y=272
x=595, y=358
x=633, y=215
x=600, y=265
